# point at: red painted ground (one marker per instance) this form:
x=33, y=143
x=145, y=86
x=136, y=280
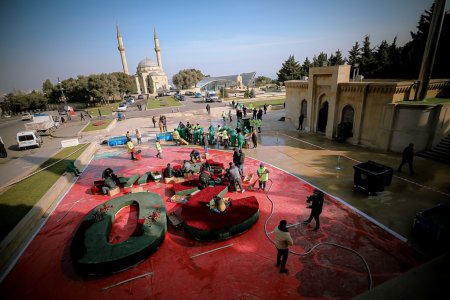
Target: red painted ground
x=246, y=270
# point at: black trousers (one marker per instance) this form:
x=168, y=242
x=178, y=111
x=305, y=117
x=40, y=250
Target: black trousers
x=314, y=215
x=282, y=257
x=404, y=161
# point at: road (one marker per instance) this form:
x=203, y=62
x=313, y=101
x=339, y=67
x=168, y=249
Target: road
x=19, y=163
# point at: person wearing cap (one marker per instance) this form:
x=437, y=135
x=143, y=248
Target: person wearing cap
x=263, y=176
x=316, y=203
x=283, y=240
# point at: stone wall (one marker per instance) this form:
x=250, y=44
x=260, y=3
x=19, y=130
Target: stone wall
x=381, y=117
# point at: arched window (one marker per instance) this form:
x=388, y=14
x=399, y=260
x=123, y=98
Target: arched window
x=348, y=114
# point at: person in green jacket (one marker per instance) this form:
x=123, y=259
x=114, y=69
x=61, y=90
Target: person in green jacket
x=212, y=132
x=241, y=140
x=73, y=169
x=258, y=124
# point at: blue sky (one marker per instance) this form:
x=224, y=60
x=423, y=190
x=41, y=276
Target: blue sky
x=48, y=39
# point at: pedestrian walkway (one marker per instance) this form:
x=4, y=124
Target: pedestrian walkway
x=329, y=166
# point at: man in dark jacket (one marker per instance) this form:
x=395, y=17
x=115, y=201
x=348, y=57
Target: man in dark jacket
x=316, y=203
x=236, y=157
x=235, y=177
x=407, y=157
x=241, y=162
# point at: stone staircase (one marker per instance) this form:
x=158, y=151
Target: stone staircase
x=440, y=152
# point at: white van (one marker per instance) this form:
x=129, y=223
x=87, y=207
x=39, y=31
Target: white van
x=28, y=139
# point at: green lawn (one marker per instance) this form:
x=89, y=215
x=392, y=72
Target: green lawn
x=105, y=110
x=162, y=102
x=97, y=125
x=268, y=102
x=16, y=201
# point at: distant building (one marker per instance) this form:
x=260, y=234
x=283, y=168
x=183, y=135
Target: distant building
x=150, y=76
x=239, y=81
x=380, y=114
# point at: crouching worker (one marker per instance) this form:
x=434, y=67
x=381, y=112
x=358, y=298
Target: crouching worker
x=204, y=179
x=108, y=172
x=170, y=172
x=195, y=156
x=176, y=137
x=72, y=169
x=219, y=205
x=108, y=184
x=186, y=168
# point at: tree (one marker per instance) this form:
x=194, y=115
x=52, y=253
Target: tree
x=336, y=59
x=305, y=67
x=187, y=78
x=126, y=84
x=322, y=60
x=262, y=80
x=381, y=57
x=290, y=70
x=354, y=55
x=367, y=63
x=223, y=92
x=47, y=87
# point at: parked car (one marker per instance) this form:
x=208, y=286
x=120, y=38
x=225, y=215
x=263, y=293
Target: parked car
x=27, y=139
x=27, y=117
x=141, y=97
x=130, y=100
x=181, y=97
x=122, y=107
x=189, y=93
x=212, y=97
x=198, y=95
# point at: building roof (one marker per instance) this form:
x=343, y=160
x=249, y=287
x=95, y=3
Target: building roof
x=247, y=79
x=147, y=62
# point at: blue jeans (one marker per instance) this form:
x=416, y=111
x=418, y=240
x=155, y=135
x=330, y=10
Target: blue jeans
x=205, y=148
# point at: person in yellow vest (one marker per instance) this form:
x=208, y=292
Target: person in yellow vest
x=225, y=138
x=176, y=137
x=130, y=148
x=158, y=149
x=263, y=176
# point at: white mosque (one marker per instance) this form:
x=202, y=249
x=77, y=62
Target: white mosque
x=150, y=77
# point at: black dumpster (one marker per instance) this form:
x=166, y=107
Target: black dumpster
x=372, y=177
x=432, y=226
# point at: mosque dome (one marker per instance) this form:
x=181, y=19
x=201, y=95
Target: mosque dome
x=146, y=63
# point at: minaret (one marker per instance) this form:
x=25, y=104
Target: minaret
x=122, y=51
x=157, y=49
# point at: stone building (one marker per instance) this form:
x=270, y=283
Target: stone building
x=381, y=113
x=150, y=76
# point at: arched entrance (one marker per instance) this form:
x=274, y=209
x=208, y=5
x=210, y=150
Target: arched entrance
x=323, y=117
x=348, y=114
